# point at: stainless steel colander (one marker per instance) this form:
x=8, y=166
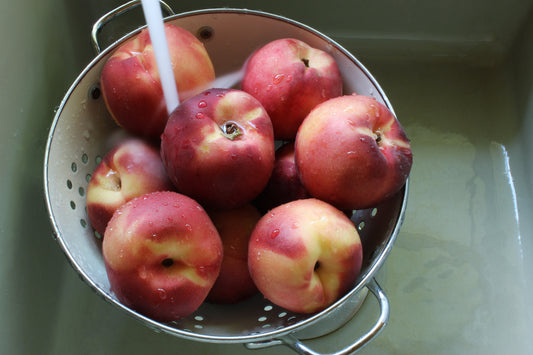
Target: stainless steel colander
x=82, y=132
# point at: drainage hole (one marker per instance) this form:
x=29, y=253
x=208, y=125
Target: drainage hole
x=205, y=33
x=95, y=92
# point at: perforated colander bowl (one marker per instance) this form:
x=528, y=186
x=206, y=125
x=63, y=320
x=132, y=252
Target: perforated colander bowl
x=82, y=132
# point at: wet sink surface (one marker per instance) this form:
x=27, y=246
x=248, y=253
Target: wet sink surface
x=458, y=274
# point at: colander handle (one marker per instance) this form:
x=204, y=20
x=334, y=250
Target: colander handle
x=102, y=21
x=296, y=345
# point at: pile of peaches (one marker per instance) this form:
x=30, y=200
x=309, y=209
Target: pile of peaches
x=238, y=191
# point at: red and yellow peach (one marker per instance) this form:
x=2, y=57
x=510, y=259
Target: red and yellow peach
x=130, y=169
x=352, y=152
x=304, y=255
x=218, y=148
x=162, y=255
x=289, y=78
x=131, y=85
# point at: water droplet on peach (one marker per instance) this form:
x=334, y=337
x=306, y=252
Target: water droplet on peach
x=199, y=115
x=202, y=104
x=162, y=294
x=274, y=233
x=278, y=78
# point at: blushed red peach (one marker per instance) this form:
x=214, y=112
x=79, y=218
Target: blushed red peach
x=352, y=152
x=218, y=148
x=130, y=169
x=289, y=78
x=162, y=255
x=131, y=85
x=284, y=184
x=234, y=226
x=304, y=255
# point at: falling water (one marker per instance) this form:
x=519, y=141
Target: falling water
x=154, y=19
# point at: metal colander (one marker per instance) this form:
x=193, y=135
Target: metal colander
x=82, y=132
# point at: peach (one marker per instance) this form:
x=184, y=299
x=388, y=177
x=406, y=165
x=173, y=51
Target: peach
x=162, y=255
x=132, y=168
x=304, y=255
x=131, y=86
x=218, y=148
x=284, y=184
x=234, y=226
x=352, y=152
x=289, y=78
